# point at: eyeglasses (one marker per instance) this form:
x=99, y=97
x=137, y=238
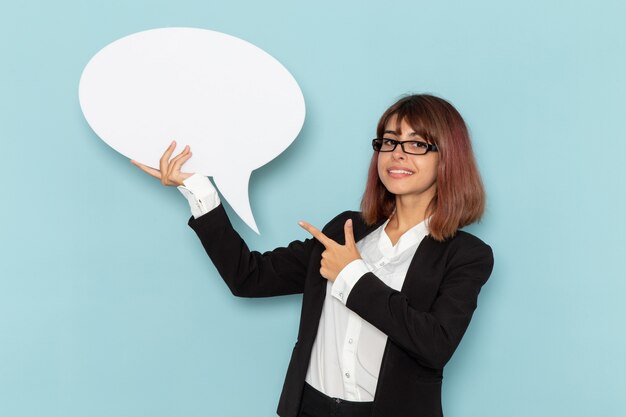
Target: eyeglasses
x=413, y=147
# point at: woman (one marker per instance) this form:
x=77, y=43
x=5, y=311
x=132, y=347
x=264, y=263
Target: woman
x=387, y=293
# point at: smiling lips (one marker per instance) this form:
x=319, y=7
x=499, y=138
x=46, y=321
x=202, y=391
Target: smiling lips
x=399, y=172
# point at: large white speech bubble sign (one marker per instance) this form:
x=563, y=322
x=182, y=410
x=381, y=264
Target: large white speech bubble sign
x=234, y=104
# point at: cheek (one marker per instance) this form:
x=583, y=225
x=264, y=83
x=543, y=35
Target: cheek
x=432, y=170
x=380, y=164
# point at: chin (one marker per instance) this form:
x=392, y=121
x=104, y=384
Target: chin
x=399, y=190
x=395, y=187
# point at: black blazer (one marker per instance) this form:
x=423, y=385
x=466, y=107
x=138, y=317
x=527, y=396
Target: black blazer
x=425, y=320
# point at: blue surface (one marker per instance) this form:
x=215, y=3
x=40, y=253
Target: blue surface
x=108, y=306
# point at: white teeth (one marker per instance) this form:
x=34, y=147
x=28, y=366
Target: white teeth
x=400, y=171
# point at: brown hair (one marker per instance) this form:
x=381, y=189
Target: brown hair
x=460, y=197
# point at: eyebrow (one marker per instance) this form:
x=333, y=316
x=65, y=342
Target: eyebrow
x=393, y=132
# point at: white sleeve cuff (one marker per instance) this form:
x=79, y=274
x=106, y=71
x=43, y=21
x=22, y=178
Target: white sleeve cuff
x=200, y=194
x=347, y=279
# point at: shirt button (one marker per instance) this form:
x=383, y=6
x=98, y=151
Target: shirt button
x=340, y=295
x=350, y=341
x=347, y=374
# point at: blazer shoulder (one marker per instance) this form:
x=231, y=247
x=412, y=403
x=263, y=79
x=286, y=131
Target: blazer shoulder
x=467, y=240
x=461, y=240
x=462, y=246
x=465, y=247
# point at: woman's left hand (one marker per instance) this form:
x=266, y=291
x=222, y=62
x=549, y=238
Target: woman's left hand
x=336, y=256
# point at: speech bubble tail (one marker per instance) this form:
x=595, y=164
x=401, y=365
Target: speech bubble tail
x=234, y=188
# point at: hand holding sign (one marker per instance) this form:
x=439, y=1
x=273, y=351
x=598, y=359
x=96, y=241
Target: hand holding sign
x=169, y=169
x=234, y=104
x=336, y=256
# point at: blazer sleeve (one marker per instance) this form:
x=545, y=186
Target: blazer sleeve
x=251, y=273
x=432, y=336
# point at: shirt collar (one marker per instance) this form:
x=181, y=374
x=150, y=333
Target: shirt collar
x=409, y=239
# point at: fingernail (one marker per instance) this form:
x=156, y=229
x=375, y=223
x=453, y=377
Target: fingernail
x=301, y=223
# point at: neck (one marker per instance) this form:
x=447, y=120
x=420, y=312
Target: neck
x=410, y=210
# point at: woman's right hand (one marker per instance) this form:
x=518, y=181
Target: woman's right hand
x=169, y=169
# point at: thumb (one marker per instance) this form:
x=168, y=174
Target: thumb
x=349, y=232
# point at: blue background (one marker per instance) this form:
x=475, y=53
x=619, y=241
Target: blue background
x=109, y=307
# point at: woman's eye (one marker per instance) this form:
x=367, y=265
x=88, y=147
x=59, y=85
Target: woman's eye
x=389, y=142
x=418, y=145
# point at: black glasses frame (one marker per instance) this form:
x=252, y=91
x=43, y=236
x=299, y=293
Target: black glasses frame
x=377, y=144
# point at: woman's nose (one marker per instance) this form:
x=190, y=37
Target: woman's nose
x=398, y=153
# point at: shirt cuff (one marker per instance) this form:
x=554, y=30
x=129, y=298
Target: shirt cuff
x=347, y=279
x=200, y=194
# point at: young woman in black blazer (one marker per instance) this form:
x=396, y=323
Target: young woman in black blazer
x=388, y=292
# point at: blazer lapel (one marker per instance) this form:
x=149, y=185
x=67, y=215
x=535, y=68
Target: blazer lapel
x=424, y=274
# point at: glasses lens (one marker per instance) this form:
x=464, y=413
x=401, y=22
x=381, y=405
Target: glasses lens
x=384, y=145
x=388, y=145
x=415, y=147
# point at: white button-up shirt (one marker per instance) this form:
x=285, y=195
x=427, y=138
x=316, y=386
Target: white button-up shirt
x=348, y=351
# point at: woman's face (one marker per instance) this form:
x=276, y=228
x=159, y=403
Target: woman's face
x=407, y=175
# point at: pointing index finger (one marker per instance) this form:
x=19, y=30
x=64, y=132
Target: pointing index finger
x=317, y=234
